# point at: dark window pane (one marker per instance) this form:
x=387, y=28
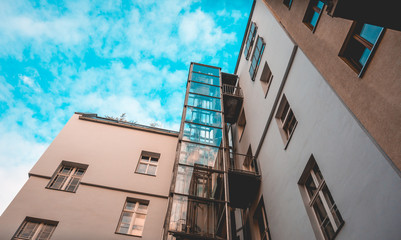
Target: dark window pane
x=319, y=210
x=364, y=57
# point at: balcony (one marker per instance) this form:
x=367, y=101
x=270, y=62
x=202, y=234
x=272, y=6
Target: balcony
x=232, y=99
x=244, y=180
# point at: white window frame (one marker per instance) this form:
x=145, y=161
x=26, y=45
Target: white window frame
x=134, y=212
x=69, y=177
x=285, y=131
x=149, y=156
x=39, y=227
x=320, y=195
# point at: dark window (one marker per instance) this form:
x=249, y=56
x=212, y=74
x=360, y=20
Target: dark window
x=261, y=219
x=250, y=39
x=287, y=3
x=312, y=14
x=33, y=228
x=257, y=55
x=266, y=78
x=359, y=45
x=67, y=177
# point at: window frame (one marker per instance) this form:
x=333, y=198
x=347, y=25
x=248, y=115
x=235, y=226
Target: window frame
x=250, y=39
x=312, y=171
x=38, y=228
x=241, y=124
x=134, y=216
x=259, y=58
x=310, y=11
x=285, y=123
x=288, y=3
x=260, y=213
x=266, y=78
x=353, y=36
x=150, y=156
x=68, y=177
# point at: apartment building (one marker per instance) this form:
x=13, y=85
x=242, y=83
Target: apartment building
x=99, y=179
x=301, y=142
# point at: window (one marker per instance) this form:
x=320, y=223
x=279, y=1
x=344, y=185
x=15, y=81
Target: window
x=132, y=220
x=241, y=124
x=67, y=176
x=261, y=219
x=286, y=119
x=250, y=39
x=359, y=46
x=34, y=228
x=320, y=201
x=148, y=163
x=257, y=55
x=266, y=78
x=287, y=3
x=312, y=14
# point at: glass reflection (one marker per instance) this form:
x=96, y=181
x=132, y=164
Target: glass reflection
x=206, y=70
x=192, y=154
x=203, y=116
x=205, y=89
x=194, y=216
x=206, y=79
x=202, y=134
x=199, y=182
x=204, y=102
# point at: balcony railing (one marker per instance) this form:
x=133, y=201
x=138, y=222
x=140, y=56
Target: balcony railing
x=232, y=90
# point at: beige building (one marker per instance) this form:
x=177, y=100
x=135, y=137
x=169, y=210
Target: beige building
x=301, y=142
x=99, y=179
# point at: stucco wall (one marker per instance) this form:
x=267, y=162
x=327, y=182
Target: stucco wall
x=364, y=185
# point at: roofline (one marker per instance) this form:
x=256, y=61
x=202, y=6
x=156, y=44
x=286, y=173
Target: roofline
x=94, y=118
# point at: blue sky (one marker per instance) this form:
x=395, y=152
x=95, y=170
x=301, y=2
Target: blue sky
x=105, y=57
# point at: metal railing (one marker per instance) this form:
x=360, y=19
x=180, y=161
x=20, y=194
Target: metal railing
x=243, y=163
x=232, y=90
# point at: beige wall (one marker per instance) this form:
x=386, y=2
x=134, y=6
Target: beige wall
x=375, y=98
x=93, y=212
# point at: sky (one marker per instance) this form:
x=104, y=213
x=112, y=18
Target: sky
x=104, y=57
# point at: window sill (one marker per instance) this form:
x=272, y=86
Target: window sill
x=150, y=175
x=60, y=190
x=138, y=236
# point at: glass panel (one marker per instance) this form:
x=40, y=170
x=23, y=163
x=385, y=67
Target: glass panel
x=130, y=205
x=152, y=170
x=206, y=70
x=314, y=19
x=123, y=228
x=45, y=232
x=310, y=187
x=328, y=229
x=141, y=168
x=137, y=230
x=66, y=170
x=127, y=216
x=364, y=57
x=204, y=102
x=192, y=154
x=79, y=172
x=202, y=116
x=72, y=185
x=140, y=220
x=145, y=159
x=370, y=32
x=318, y=174
x=198, y=182
x=319, y=210
x=320, y=4
x=153, y=160
x=202, y=134
x=205, y=89
x=206, y=79
x=142, y=208
x=28, y=230
x=58, y=182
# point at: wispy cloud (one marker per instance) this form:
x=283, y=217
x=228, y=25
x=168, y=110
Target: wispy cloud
x=106, y=57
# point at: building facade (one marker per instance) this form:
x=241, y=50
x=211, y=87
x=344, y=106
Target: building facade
x=99, y=179
x=301, y=142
